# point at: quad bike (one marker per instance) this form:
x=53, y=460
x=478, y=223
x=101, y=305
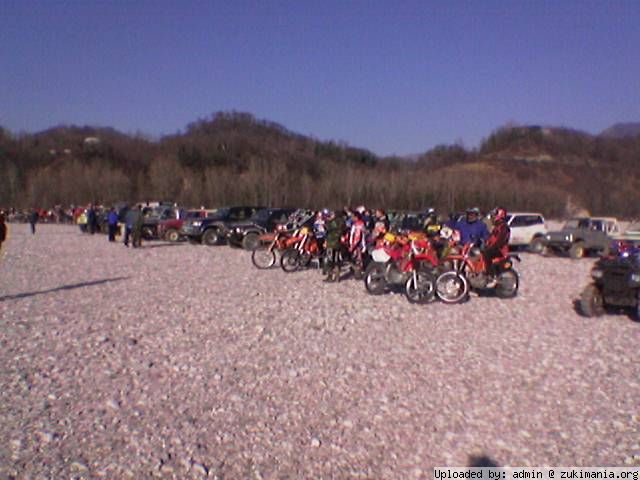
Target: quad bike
x=305, y=248
x=275, y=242
x=616, y=285
x=410, y=261
x=467, y=269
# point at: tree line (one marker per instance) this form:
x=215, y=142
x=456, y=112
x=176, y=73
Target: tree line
x=234, y=158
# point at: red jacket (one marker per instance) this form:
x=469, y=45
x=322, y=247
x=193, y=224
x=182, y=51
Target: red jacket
x=499, y=238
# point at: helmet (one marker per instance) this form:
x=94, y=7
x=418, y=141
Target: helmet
x=499, y=214
x=325, y=212
x=474, y=210
x=304, y=231
x=361, y=209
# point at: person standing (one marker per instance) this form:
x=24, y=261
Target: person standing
x=33, y=219
x=129, y=222
x=92, y=220
x=112, y=221
x=137, y=227
x=3, y=230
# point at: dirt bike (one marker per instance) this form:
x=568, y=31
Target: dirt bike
x=275, y=242
x=410, y=262
x=467, y=269
x=305, y=248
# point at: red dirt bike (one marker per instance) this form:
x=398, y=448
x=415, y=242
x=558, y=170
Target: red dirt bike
x=410, y=261
x=467, y=270
x=305, y=248
x=276, y=242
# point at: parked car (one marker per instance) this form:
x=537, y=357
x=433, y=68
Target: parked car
x=408, y=221
x=247, y=234
x=616, y=283
x=628, y=240
x=153, y=216
x=214, y=229
x=581, y=236
x=170, y=229
x=527, y=230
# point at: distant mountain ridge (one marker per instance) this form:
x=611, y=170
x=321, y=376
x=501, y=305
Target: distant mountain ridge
x=232, y=157
x=622, y=130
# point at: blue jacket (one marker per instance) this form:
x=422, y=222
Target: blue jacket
x=112, y=218
x=472, y=231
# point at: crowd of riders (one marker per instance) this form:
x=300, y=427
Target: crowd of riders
x=348, y=234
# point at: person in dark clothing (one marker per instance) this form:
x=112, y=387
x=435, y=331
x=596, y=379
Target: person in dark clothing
x=3, y=230
x=33, y=219
x=497, y=245
x=129, y=222
x=92, y=220
x=137, y=227
x=112, y=222
x=335, y=229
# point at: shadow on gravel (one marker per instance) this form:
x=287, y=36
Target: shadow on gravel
x=64, y=287
x=481, y=461
x=173, y=244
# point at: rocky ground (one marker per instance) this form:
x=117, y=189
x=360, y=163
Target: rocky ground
x=181, y=361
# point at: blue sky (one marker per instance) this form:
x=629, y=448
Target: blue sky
x=393, y=77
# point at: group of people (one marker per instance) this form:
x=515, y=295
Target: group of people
x=347, y=234
x=131, y=218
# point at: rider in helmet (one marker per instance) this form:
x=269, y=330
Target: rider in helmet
x=472, y=229
x=319, y=227
x=497, y=245
x=431, y=224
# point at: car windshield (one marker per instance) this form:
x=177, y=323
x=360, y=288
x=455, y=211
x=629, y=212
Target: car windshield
x=218, y=213
x=577, y=223
x=261, y=216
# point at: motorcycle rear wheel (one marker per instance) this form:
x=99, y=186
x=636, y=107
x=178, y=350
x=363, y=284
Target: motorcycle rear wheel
x=451, y=287
x=425, y=290
x=508, y=283
x=374, y=280
x=263, y=258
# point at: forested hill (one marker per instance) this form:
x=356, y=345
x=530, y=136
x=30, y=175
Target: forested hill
x=235, y=158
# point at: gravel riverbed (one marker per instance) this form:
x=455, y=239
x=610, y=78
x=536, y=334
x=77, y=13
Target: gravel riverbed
x=184, y=361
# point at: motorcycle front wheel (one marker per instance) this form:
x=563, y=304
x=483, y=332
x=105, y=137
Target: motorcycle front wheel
x=451, y=287
x=420, y=289
x=263, y=258
x=290, y=260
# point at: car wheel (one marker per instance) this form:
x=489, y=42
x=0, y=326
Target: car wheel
x=577, y=250
x=591, y=302
x=172, y=235
x=251, y=241
x=537, y=245
x=211, y=237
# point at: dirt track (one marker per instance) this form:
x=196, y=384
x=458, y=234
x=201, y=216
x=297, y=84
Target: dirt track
x=185, y=361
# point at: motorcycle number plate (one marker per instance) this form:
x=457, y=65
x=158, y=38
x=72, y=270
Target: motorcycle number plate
x=379, y=255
